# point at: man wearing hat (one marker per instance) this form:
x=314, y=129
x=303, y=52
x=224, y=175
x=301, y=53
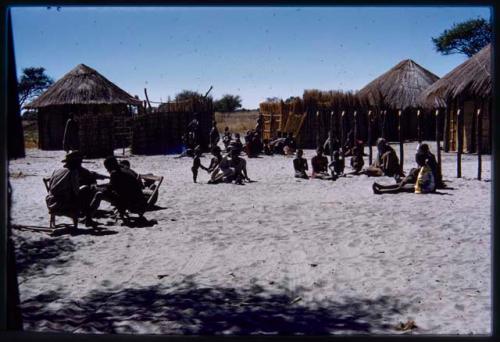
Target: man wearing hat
x=64, y=186
x=72, y=188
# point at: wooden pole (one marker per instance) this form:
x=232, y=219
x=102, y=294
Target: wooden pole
x=317, y=129
x=459, y=143
x=479, y=128
x=446, y=126
x=147, y=99
x=438, y=147
x=370, y=155
x=419, y=128
x=331, y=134
x=342, y=132
x=382, y=134
x=355, y=133
x=401, y=140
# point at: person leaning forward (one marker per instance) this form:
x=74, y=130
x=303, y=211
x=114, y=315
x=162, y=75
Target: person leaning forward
x=124, y=190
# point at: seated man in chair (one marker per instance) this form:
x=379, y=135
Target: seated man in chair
x=124, y=190
x=72, y=191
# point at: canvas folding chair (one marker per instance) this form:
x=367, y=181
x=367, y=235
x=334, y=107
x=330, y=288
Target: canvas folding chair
x=71, y=214
x=151, y=185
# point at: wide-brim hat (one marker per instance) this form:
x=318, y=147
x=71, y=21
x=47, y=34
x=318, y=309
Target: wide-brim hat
x=72, y=156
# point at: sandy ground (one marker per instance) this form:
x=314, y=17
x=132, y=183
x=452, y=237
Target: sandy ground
x=277, y=256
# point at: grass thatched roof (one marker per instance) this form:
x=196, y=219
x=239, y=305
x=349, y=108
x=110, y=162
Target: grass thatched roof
x=83, y=85
x=472, y=78
x=400, y=87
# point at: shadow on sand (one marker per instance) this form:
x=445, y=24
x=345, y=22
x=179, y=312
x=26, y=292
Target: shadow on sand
x=193, y=309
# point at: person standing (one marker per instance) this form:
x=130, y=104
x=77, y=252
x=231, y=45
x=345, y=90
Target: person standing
x=214, y=135
x=70, y=138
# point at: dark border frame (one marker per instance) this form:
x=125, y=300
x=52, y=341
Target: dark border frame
x=25, y=336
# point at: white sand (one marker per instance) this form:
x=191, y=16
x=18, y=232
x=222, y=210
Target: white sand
x=280, y=255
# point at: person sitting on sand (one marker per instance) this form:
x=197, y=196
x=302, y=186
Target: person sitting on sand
x=331, y=144
x=124, y=190
x=68, y=194
x=277, y=144
x=424, y=149
x=300, y=165
x=319, y=165
x=409, y=183
x=357, y=161
x=240, y=167
x=216, y=159
x=386, y=163
x=197, y=163
x=256, y=144
x=337, y=165
x=237, y=144
x=290, y=144
x=226, y=138
x=268, y=151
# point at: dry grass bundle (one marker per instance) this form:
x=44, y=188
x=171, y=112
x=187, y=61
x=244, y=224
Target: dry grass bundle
x=83, y=85
x=187, y=106
x=295, y=106
x=470, y=79
x=335, y=100
x=400, y=87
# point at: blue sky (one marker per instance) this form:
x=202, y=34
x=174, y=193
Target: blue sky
x=254, y=52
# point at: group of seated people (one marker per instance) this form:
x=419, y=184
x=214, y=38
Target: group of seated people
x=74, y=189
x=423, y=179
x=223, y=169
x=282, y=144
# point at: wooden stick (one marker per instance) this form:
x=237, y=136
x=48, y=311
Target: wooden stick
x=355, y=133
x=147, y=99
x=331, y=134
x=438, y=144
x=317, y=129
x=459, y=143
x=384, y=119
x=479, y=134
x=401, y=141
x=342, y=132
x=419, y=128
x=370, y=155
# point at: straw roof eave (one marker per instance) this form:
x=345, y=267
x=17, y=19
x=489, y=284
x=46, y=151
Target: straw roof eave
x=83, y=86
x=471, y=79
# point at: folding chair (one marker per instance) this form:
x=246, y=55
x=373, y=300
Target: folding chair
x=71, y=214
x=151, y=185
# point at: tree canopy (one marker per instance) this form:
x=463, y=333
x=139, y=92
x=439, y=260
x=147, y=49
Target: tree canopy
x=188, y=95
x=32, y=83
x=466, y=38
x=227, y=103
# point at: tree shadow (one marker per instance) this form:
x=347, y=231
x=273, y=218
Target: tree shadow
x=33, y=256
x=192, y=309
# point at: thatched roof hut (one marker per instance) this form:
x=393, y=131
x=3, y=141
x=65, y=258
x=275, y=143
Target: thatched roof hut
x=83, y=86
x=472, y=78
x=400, y=88
x=99, y=106
x=468, y=87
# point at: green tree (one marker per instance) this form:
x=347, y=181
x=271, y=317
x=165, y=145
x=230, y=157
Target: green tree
x=227, y=103
x=32, y=83
x=188, y=95
x=467, y=37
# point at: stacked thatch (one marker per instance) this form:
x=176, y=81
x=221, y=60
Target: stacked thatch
x=336, y=102
x=468, y=87
x=97, y=104
x=470, y=79
x=83, y=86
x=400, y=88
